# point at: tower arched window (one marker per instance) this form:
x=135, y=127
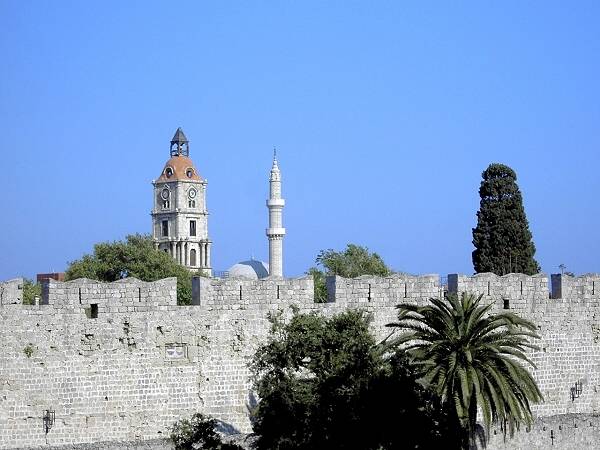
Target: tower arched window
x=191, y=203
x=192, y=257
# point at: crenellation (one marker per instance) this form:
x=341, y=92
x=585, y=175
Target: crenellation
x=241, y=292
x=514, y=291
x=129, y=294
x=11, y=292
x=391, y=290
x=584, y=287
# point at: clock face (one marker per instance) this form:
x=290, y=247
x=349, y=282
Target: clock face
x=164, y=194
x=192, y=193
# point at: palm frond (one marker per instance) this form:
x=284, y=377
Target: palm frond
x=472, y=358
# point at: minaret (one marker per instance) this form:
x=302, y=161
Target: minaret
x=275, y=232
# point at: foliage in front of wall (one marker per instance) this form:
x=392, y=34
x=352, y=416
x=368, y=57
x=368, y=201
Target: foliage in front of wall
x=199, y=432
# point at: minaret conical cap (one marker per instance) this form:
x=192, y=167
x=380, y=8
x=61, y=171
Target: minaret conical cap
x=275, y=165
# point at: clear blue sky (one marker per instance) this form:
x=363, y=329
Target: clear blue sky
x=384, y=115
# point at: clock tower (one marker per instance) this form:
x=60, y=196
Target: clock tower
x=179, y=215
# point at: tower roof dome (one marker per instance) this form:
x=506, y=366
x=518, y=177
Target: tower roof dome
x=179, y=168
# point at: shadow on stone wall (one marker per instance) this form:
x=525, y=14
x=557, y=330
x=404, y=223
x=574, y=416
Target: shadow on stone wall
x=560, y=432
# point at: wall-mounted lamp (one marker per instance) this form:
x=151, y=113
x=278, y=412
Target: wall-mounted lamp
x=48, y=419
x=576, y=390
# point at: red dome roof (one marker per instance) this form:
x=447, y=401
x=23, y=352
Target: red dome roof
x=179, y=168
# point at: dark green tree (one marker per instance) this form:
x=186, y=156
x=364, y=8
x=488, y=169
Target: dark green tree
x=502, y=240
x=134, y=257
x=473, y=360
x=324, y=383
x=353, y=262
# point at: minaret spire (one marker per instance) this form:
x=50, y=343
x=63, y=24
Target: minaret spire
x=275, y=232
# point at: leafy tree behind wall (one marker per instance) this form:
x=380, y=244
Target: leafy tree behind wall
x=31, y=290
x=134, y=257
x=502, y=240
x=353, y=262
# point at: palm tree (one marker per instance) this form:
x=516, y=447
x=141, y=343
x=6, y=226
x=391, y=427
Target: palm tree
x=472, y=359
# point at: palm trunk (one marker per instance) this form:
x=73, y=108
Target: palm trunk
x=473, y=423
x=463, y=425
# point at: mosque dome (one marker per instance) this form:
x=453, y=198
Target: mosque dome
x=251, y=269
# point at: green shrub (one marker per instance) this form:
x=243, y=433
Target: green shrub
x=28, y=350
x=199, y=433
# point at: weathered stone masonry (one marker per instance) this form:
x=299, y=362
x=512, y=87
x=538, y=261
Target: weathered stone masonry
x=121, y=361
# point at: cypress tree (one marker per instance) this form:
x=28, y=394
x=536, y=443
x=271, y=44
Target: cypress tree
x=502, y=240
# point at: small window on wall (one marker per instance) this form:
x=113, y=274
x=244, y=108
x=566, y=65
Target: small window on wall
x=191, y=203
x=165, y=227
x=192, y=228
x=192, y=257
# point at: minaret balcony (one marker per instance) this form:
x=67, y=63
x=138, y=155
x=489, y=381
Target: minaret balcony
x=275, y=231
x=276, y=202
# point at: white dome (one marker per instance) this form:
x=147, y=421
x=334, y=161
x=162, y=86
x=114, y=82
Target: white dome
x=252, y=270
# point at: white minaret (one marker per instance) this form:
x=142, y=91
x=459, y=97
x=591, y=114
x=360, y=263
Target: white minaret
x=275, y=232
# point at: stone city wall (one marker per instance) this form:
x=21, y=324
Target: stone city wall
x=128, y=367
x=565, y=432
x=569, y=327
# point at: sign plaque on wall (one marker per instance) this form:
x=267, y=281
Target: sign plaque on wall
x=175, y=351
